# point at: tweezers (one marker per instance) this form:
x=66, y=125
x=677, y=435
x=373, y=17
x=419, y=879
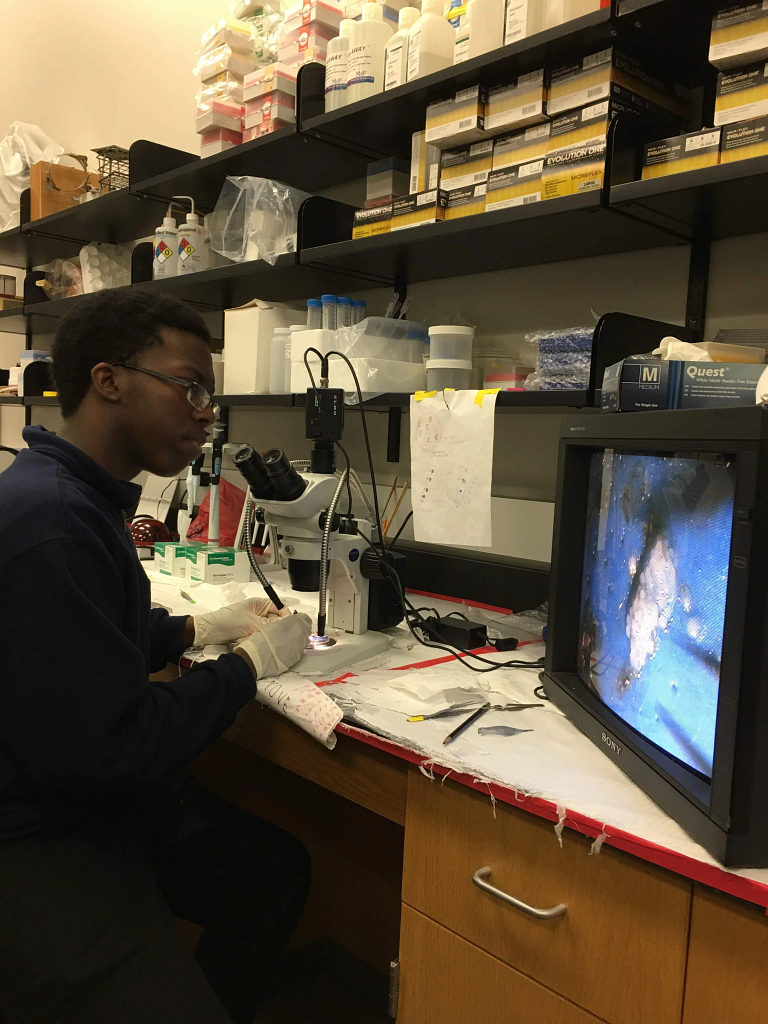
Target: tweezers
x=460, y=709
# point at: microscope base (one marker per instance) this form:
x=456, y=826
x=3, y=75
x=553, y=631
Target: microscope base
x=349, y=649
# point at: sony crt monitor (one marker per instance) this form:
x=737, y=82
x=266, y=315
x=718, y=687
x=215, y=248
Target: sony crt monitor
x=657, y=629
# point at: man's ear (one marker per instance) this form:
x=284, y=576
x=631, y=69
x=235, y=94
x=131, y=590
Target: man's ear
x=105, y=383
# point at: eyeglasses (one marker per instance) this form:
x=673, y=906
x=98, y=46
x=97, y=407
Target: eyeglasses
x=197, y=395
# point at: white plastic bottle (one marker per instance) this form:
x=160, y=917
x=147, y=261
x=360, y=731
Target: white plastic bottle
x=486, y=18
x=367, y=45
x=336, y=62
x=193, y=255
x=165, y=249
x=396, y=59
x=281, y=339
x=430, y=41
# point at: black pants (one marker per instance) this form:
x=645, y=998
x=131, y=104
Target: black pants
x=87, y=930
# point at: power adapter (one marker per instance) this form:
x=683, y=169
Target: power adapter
x=455, y=632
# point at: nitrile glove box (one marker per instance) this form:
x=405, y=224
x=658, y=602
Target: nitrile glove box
x=638, y=384
x=170, y=558
x=218, y=565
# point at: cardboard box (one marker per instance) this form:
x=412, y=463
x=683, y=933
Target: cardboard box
x=514, y=186
x=573, y=171
x=44, y=199
x=639, y=384
x=465, y=202
x=375, y=221
x=247, y=346
x=458, y=120
x=744, y=140
x=742, y=95
x=425, y=164
x=387, y=178
x=739, y=33
x=415, y=210
x=269, y=79
x=522, y=102
x=682, y=153
x=521, y=147
x=270, y=112
x=171, y=558
x=589, y=81
x=466, y=165
x=589, y=125
x=218, y=565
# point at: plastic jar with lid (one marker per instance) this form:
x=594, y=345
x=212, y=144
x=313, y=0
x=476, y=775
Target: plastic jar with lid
x=448, y=373
x=451, y=342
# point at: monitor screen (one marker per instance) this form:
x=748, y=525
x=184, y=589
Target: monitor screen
x=653, y=594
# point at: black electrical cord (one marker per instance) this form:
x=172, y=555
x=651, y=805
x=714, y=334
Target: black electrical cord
x=367, y=443
x=339, y=445
x=395, y=581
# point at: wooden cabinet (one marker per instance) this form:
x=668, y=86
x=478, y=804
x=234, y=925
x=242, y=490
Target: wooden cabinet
x=619, y=951
x=446, y=980
x=727, y=961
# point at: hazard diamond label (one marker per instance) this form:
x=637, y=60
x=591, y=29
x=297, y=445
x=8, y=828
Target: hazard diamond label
x=162, y=252
x=185, y=249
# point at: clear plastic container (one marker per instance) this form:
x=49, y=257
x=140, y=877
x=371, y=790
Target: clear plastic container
x=450, y=342
x=448, y=373
x=281, y=341
x=379, y=337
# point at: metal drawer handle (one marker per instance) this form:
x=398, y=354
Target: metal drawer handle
x=543, y=915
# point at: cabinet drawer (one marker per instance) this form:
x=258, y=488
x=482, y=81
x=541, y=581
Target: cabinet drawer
x=446, y=980
x=727, y=978
x=619, y=950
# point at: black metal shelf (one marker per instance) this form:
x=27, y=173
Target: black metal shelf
x=506, y=401
x=285, y=155
x=13, y=321
x=573, y=227
x=721, y=202
x=11, y=400
x=40, y=400
x=382, y=125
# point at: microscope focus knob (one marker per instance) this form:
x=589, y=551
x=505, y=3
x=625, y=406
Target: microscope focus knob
x=370, y=565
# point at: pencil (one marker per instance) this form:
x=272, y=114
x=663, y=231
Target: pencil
x=394, y=513
x=465, y=724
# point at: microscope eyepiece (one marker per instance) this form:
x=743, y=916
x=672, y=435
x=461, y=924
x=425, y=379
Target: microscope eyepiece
x=250, y=464
x=286, y=481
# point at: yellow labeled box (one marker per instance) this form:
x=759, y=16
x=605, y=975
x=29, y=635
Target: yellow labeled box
x=464, y=202
x=466, y=165
x=375, y=221
x=521, y=147
x=457, y=120
x=573, y=171
x=425, y=164
x=739, y=34
x=742, y=95
x=522, y=102
x=589, y=81
x=745, y=140
x=514, y=186
x=423, y=208
x=683, y=153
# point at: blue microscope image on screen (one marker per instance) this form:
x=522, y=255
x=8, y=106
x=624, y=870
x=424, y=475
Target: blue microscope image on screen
x=653, y=595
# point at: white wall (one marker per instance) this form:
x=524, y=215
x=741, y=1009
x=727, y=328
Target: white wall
x=92, y=72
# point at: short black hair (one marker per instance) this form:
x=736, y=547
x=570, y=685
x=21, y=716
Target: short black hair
x=113, y=326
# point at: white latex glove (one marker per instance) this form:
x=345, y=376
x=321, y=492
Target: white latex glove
x=277, y=646
x=235, y=621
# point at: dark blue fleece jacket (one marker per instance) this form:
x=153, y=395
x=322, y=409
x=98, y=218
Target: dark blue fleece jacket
x=80, y=723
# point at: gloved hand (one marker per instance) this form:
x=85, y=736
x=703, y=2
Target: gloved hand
x=277, y=646
x=235, y=621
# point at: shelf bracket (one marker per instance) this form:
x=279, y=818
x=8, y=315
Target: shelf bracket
x=698, y=285
x=394, y=423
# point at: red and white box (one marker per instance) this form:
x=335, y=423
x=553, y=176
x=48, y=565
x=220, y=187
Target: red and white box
x=266, y=108
x=219, y=140
x=313, y=12
x=266, y=128
x=304, y=49
x=219, y=114
x=273, y=78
